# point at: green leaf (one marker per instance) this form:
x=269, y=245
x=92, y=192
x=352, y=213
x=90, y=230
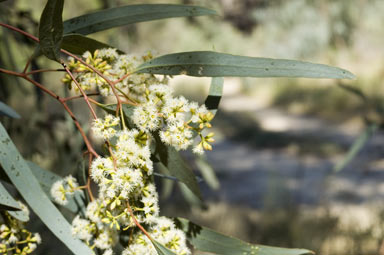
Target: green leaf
x=176, y=166
x=166, y=183
x=7, y=201
x=207, y=240
x=161, y=249
x=214, y=95
x=51, y=29
x=78, y=44
x=124, y=15
x=214, y=64
x=23, y=179
x=47, y=178
x=354, y=91
x=8, y=111
x=356, y=146
x=190, y=197
x=207, y=172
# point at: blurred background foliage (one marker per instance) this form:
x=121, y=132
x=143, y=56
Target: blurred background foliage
x=277, y=139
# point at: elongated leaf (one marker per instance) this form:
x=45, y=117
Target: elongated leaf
x=176, y=166
x=78, y=44
x=207, y=172
x=124, y=15
x=214, y=64
x=356, y=147
x=8, y=111
x=47, y=178
x=28, y=186
x=8, y=203
x=205, y=239
x=190, y=197
x=161, y=249
x=167, y=185
x=354, y=91
x=214, y=95
x=51, y=29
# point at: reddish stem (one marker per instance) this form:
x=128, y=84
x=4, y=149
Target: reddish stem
x=91, y=197
x=65, y=99
x=81, y=91
x=136, y=222
x=110, y=83
x=44, y=71
x=52, y=94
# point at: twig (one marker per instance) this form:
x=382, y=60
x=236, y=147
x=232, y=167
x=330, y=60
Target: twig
x=81, y=91
x=65, y=99
x=54, y=95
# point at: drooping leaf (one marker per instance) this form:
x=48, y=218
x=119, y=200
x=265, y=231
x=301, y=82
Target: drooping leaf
x=7, y=202
x=358, y=144
x=190, y=197
x=47, y=178
x=214, y=95
x=167, y=185
x=124, y=15
x=176, y=166
x=28, y=186
x=207, y=172
x=8, y=111
x=161, y=249
x=207, y=240
x=78, y=44
x=51, y=29
x=354, y=91
x=214, y=64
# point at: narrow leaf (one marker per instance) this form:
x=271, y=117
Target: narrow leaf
x=190, y=197
x=356, y=146
x=214, y=95
x=8, y=111
x=124, y=15
x=161, y=249
x=355, y=91
x=28, y=186
x=6, y=200
x=176, y=166
x=214, y=64
x=78, y=44
x=47, y=178
x=51, y=29
x=167, y=185
x=207, y=172
x=207, y=240
x=8, y=203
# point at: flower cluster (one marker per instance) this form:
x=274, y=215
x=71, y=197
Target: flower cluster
x=128, y=201
x=163, y=231
x=112, y=66
x=14, y=238
x=61, y=189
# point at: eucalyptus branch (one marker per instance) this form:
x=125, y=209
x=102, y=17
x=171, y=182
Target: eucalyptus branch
x=58, y=98
x=65, y=99
x=81, y=90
